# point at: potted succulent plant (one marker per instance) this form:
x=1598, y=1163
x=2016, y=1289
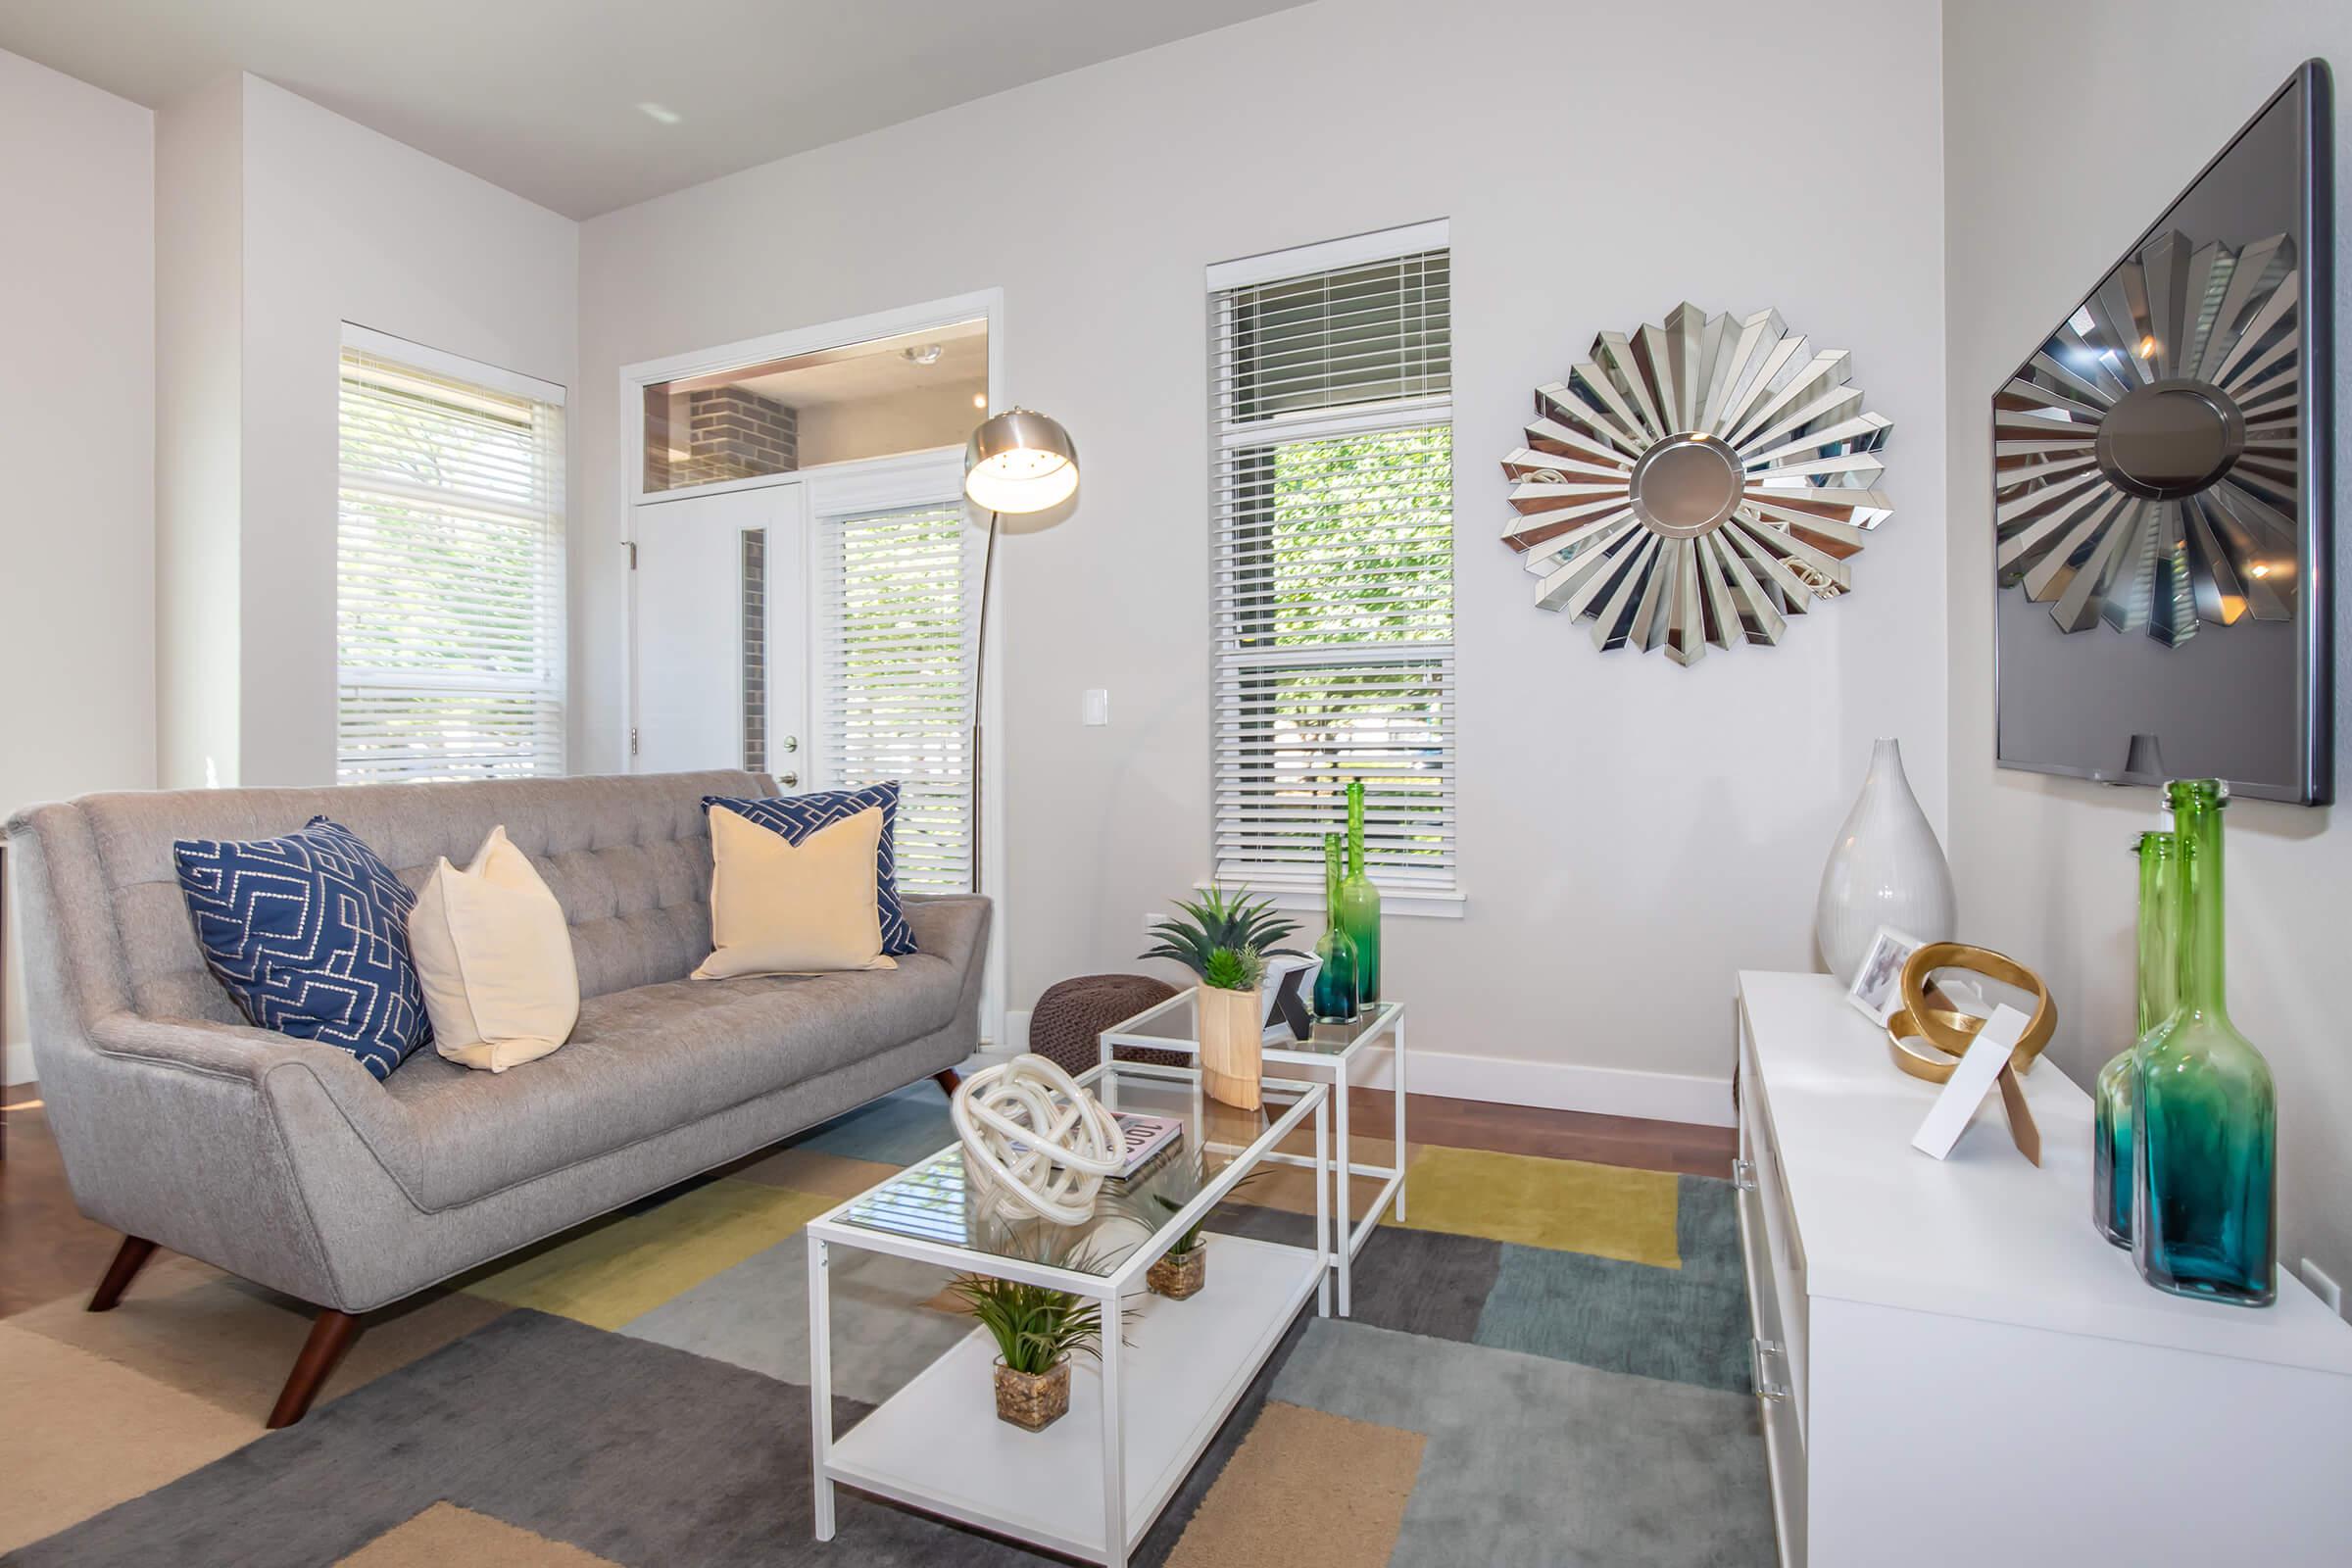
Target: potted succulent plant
x=1226, y=939
x=1037, y=1330
x=1183, y=1268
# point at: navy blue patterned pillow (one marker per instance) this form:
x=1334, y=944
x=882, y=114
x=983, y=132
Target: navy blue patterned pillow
x=796, y=817
x=309, y=933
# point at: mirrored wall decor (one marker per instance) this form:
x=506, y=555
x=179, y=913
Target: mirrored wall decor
x=2161, y=492
x=1698, y=481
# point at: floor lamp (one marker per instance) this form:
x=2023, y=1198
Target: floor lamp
x=1017, y=461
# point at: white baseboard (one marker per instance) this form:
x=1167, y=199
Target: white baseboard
x=1016, y=1034
x=18, y=1069
x=1564, y=1086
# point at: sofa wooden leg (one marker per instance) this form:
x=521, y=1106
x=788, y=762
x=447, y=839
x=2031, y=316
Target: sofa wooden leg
x=949, y=1080
x=330, y=1335
x=129, y=1259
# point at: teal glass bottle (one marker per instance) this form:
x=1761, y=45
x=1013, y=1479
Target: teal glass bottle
x=2159, y=856
x=1336, y=978
x=1356, y=908
x=2204, y=1114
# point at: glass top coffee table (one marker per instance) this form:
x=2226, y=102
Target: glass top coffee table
x=1331, y=1054
x=1090, y=1485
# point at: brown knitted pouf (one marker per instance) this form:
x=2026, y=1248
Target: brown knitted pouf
x=1067, y=1023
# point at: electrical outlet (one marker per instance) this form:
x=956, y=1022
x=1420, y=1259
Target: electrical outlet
x=2326, y=1288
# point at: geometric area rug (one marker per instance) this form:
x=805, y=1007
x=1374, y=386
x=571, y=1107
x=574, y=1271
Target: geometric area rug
x=1547, y=1365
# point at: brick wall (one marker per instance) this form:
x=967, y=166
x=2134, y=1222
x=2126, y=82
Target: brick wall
x=735, y=434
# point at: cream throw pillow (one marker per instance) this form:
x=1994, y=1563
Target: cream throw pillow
x=494, y=956
x=779, y=907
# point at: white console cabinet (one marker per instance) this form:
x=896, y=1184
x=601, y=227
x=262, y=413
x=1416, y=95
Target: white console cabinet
x=1954, y=1368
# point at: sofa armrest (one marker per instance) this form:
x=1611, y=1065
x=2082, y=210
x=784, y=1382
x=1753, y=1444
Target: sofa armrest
x=198, y=1045
x=950, y=926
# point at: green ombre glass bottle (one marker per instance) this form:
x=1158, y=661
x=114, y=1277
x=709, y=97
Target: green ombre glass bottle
x=2204, y=1116
x=1357, y=908
x=2159, y=857
x=1334, y=955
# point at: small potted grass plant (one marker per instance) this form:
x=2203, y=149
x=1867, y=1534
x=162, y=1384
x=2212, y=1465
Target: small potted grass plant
x=1037, y=1330
x=1181, y=1271
x=1226, y=939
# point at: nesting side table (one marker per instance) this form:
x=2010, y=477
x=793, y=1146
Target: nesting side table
x=1330, y=1054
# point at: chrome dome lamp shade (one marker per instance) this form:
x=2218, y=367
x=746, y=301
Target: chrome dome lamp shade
x=1697, y=483
x=1019, y=462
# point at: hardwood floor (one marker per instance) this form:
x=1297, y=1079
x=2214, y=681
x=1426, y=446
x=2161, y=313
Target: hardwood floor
x=47, y=1250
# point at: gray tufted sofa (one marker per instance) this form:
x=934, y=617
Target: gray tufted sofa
x=288, y=1164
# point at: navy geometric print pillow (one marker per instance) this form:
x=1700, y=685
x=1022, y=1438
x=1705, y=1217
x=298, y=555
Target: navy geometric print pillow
x=309, y=933
x=796, y=817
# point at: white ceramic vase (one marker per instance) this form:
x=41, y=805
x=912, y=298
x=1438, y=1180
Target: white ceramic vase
x=1885, y=869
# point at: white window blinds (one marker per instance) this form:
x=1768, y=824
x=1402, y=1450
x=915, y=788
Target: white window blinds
x=1333, y=495
x=897, y=595
x=449, y=574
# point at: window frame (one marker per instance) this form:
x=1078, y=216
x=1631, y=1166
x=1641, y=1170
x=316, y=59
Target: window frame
x=1303, y=889
x=555, y=689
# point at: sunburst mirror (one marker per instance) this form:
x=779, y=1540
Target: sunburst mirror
x=2147, y=454
x=1695, y=482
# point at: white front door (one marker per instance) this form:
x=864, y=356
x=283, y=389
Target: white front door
x=719, y=671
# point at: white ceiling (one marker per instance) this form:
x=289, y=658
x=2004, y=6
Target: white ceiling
x=541, y=96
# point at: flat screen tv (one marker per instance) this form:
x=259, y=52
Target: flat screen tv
x=2161, y=477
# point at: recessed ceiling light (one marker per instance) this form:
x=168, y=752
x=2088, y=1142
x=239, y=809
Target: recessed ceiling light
x=928, y=354
x=979, y=400
x=660, y=115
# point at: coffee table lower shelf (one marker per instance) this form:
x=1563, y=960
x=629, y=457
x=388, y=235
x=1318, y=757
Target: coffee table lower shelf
x=937, y=1444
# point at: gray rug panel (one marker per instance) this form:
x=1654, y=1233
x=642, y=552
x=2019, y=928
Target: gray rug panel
x=1417, y=1282
x=755, y=1315
x=898, y=1129
x=645, y=1456
x=1537, y=1463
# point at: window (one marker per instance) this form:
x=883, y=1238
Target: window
x=1333, y=511
x=449, y=568
x=894, y=663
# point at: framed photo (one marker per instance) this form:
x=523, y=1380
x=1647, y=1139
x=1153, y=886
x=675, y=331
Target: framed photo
x=1873, y=988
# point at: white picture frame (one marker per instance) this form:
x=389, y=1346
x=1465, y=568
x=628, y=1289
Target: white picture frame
x=1874, y=986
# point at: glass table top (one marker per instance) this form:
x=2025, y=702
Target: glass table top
x=1178, y=1019
x=934, y=1201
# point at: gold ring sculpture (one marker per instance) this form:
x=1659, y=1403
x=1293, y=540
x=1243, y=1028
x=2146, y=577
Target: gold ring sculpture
x=1950, y=1031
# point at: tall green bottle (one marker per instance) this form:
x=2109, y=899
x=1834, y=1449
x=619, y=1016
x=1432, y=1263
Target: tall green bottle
x=1335, y=953
x=2204, y=1116
x=2159, y=995
x=1356, y=908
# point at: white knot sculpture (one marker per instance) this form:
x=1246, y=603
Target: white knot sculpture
x=1035, y=1143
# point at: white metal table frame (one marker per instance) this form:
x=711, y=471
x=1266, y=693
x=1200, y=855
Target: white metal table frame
x=1337, y=1063
x=830, y=1229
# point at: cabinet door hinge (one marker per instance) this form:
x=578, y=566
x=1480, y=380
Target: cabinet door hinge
x=632, y=740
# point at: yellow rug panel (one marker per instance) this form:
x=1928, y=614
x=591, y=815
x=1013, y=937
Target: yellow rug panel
x=1565, y=1204
x=626, y=1267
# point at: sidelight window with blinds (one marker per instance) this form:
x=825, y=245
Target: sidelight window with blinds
x=897, y=595
x=449, y=568
x=1331, y=371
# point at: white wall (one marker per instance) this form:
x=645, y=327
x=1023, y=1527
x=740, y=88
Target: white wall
x=76, y=448
x=199, y=359
x=333, y=223
x=2068, y=128
x=1631, y=832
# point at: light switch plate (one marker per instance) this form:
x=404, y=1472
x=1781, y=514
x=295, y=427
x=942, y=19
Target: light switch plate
x=1093, y=707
